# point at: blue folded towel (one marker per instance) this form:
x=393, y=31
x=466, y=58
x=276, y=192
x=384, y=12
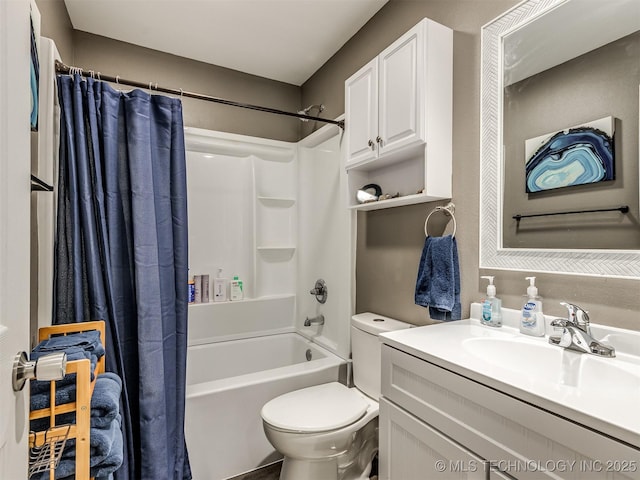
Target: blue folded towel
x=438, y=280
x=106, y=454
x=77, y=346
x=89, y=341
x=105, y=403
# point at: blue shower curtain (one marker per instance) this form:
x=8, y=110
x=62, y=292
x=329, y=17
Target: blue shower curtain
x=121, y=256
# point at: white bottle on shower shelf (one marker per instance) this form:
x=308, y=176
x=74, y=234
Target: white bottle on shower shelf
x=220, y=288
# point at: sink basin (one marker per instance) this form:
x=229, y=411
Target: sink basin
x=540, y=361
x=602, y=393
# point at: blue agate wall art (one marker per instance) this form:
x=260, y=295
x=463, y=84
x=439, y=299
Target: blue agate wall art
x=576, y=156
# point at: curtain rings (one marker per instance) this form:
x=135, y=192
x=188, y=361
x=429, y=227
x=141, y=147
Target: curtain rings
x=448, y=209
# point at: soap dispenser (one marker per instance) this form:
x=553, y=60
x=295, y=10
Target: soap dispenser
x=532, y=318
x=491, y=306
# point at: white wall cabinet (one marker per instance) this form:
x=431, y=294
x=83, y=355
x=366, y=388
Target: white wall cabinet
x=398, y=124
x=429, y=414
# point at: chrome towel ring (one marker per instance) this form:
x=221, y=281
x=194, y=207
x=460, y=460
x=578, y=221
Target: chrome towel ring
x=448, y=209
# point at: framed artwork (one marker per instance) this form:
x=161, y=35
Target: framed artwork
x=576, y=156
x=35, y=77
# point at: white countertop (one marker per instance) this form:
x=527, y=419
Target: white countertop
x=600, y=393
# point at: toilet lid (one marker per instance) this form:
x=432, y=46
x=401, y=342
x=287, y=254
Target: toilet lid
x=315, y=409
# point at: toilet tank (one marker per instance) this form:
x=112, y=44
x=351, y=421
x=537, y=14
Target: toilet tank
x=366, y=349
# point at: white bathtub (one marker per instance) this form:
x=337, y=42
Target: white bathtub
x=227, y=385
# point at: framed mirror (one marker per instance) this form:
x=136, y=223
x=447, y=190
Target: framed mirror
x=535, y=37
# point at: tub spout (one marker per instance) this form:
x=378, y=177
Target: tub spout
x=319, y=320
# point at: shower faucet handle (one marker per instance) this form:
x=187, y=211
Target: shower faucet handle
x=320, y=291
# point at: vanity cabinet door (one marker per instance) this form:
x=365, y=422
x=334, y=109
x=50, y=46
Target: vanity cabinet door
x=411, y=449
x=361, y=112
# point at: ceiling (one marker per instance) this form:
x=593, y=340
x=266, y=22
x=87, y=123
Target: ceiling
x=284, y=40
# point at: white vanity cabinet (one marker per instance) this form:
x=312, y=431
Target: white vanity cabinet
x=398, y=125
x=436, y=423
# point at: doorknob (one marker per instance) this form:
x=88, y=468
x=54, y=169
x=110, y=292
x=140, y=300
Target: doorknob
x=46, y=368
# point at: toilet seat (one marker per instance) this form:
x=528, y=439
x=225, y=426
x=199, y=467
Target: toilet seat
x=315, y=409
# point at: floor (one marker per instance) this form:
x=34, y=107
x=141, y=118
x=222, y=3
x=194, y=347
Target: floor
x=272, y=472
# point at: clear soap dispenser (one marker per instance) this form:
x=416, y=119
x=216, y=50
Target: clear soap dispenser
x=532, y=318
x=491, y=306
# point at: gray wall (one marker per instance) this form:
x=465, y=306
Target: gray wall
x=55, y=24
x=599, y=84
x=390, y=241
x=112, y=57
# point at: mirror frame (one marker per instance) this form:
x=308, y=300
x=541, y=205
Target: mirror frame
x=605, y=263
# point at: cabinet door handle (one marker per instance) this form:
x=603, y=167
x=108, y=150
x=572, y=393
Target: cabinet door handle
x=379, y=140
x=370, y=143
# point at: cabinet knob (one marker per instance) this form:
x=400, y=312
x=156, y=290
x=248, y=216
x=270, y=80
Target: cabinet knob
x=370, y=143
x=379, y=140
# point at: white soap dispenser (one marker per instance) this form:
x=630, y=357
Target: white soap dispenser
x=491, y=306
x=532, y=318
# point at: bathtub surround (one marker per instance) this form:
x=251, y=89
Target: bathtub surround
x=121, y=255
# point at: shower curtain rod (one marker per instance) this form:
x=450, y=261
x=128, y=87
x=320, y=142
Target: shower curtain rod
x=65, y=69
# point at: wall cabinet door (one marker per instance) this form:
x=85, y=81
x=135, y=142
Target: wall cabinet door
x=361, y=111
x=401, y=92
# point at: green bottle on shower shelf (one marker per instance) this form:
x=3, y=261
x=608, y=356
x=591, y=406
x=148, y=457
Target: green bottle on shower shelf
x=236, y=290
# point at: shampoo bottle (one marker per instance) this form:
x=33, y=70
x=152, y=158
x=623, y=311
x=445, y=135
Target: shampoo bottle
x=491, y=306
x=220, y=288
x=532, y=318
x=192, y=290
x=236, y=289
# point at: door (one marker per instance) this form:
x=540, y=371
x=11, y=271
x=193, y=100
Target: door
x=409, y=448
x=14, y=229
x=361, y=114
x=402, y=86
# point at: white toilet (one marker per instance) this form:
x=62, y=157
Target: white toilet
x=329, y=431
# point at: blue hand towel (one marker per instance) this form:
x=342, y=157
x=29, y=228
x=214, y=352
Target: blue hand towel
x=106, y=454
x=105, y=403
x=64, y=394
x=438, y=280
x=77, y=346
x=89, y=341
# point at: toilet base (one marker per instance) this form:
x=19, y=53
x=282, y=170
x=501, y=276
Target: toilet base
x=293, y=469
x=354, y=464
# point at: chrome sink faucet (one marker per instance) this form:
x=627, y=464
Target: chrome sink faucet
x=576, y=333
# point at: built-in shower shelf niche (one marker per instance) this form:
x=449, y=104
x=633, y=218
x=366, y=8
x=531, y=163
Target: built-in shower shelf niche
x=245, y=190
x=276, y=253
x=277, y=201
